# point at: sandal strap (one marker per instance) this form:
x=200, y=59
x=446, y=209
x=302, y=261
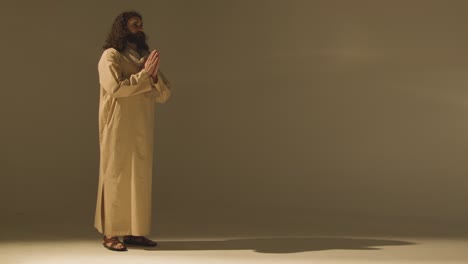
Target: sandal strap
x=114, y=242
x=111, y=239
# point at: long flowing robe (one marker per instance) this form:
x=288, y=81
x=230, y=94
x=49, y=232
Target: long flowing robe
x=126, y=123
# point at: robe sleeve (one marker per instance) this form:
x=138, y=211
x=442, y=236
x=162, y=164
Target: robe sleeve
x=112, y=80
x=162, y=89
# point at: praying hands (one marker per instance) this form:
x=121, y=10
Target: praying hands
x=152, y=65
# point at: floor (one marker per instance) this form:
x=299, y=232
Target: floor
x=68, y=239
x=332, y=250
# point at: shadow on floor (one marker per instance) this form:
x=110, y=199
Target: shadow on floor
x=279, y=245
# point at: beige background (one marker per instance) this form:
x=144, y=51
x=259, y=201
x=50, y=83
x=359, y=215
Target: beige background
x=287, y=117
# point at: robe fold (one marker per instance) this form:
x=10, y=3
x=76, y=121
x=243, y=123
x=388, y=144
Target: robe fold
x=126, y=123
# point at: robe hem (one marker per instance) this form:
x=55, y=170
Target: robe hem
x=124, y=233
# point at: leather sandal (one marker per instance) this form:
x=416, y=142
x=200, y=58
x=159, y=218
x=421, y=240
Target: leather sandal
x=114, y=244
x=139, y=241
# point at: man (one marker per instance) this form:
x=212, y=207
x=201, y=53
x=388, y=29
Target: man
x=130, y=85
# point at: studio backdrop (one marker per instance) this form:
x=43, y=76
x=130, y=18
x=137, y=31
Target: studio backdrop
x=286, y=116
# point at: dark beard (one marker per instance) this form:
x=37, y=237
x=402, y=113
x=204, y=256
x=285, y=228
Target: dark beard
x=139, y=39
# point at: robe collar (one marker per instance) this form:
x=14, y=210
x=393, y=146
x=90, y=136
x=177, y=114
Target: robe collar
x=135, y=56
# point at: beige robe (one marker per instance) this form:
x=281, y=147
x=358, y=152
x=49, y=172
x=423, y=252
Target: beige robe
x=126, y=116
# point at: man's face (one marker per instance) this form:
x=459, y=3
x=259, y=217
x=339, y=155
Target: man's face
x=136, y=36
x=135, y=24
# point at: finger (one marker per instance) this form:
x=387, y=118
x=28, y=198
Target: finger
x=156, y=53
x=151, y=68
x=151, y=56
x=155, y=58
x=149, y=71
x=154, y=62
x=149, y=63
x=154, y=65
x=150, y=60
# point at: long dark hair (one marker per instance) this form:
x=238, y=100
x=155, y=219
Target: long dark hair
x=119, y=33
